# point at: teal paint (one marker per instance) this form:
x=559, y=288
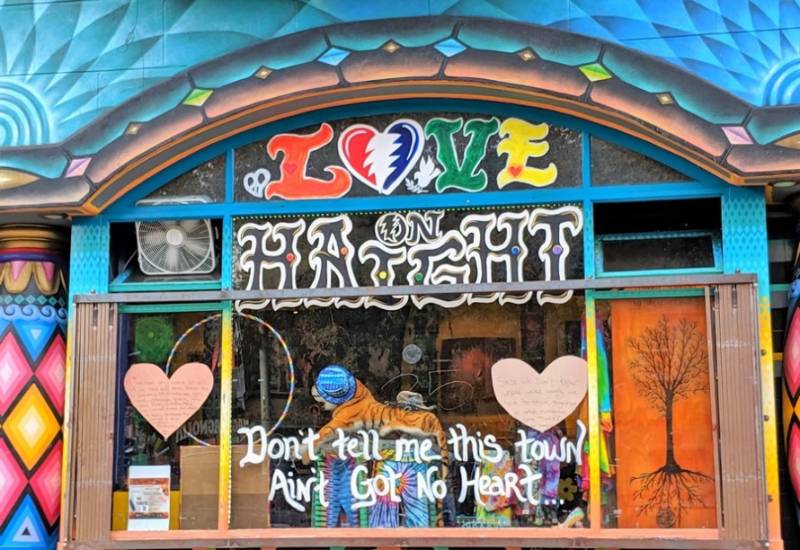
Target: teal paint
x=170, y=308
x=647, y=294
x=89, y=257
x=600, y=263
x=744, y=235
x=68, y=63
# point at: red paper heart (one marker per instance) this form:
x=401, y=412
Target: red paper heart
x=289, y=167
x=166, y=403
x=515, y=170
x=540, y=400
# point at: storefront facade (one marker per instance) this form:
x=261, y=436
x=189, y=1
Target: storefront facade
x=413, y=284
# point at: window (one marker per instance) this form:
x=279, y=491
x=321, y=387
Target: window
x=163, y=254
x=616, y=165
x=645, y=238
x=202, y=185
x=168, y=417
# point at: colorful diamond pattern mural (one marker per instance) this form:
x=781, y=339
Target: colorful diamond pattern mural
x=34, y=334
x=31, y=426
x=14, y=371
x=50, y=372
x=26, y=529
x=46, y=484
x=32, y=359
x=12, y=481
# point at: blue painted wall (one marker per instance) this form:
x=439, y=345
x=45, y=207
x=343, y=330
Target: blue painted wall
x=64, y=63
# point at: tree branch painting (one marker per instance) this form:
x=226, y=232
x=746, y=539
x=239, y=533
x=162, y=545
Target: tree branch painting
x=669, y=364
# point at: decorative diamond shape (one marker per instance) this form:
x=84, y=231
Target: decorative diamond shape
x=15, y=371
x=31, y=426
x=790, y=142
x=665, y=98
x=526, y=54
x=50, y=372
x=793, y=454
x=737, y=135
x=77, y=167
x=26, y=528
x=46, y=484
x=391, y=46
x=12, y=481
x=450, y=47
x=595, y=72
x=198, y=97
x=133, y=128
x=262, y=73
x=333, y=56
x=791, y=356
x=34, y=334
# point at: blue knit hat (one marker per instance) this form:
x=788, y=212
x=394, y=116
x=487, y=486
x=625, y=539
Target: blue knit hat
x=336, y=384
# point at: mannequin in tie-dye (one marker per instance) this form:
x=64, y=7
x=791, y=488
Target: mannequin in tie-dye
x=339, y=512
x=413, y=510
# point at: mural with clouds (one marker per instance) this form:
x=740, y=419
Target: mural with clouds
x=63, y=64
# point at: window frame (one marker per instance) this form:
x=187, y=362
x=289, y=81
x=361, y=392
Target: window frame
x=599, y=252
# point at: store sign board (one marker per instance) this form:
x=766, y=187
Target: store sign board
x=408, y=155
x=431, y=247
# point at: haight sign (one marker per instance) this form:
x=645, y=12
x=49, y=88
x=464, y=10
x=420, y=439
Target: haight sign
x=426, y=247
x=408, y=154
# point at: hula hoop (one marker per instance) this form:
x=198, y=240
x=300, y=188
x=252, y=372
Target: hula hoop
x=277, y=336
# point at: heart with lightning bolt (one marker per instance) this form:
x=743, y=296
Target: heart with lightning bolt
x=382, y=159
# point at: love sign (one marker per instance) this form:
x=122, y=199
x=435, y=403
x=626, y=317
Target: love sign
x=167, y=402
x=540, y=400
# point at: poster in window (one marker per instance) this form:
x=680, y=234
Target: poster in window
x=148, y=498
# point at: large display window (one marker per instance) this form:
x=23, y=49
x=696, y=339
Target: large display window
x=412, y=417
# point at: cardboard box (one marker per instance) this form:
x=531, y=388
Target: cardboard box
x=200, y=485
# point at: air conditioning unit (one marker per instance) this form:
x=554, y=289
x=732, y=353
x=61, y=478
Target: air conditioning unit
x=176, y=247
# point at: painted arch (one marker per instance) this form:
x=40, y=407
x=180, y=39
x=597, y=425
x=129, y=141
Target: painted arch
x=436, y=58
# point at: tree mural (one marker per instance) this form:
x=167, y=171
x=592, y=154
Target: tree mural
x=670, y=364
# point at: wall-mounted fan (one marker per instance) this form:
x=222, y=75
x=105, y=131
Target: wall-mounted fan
x=176, y=247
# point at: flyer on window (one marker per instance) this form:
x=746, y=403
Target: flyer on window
x=148, y=498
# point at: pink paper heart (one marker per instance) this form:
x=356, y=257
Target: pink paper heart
x=540, y=400
x=166, y=403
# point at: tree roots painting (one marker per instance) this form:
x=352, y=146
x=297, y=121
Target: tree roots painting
x=670, y=365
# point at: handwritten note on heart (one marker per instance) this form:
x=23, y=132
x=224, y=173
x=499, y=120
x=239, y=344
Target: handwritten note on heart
x=540, y=400
x=166, y=403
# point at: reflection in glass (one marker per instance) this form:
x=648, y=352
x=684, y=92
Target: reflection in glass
x=421, y=376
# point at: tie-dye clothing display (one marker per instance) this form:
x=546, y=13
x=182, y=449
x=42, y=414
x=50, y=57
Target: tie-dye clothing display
x=412, y=510
x=496, y=510
x=339, y=512
x=545, y=490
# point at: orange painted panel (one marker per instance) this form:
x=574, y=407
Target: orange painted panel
x=660, y=377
